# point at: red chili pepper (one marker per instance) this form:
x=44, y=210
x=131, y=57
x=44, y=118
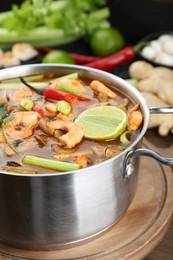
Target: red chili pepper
x=114, y=60
x=71, y=98
x=117, y=59
x=45, y=49
x=53, y=93
x=78, y=58
x=37, y=108
x=83, y=59
x=83, y=98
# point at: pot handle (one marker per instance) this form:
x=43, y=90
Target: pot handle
x=128, y=168
x=161, y=110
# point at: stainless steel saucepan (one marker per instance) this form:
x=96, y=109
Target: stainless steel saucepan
x=64, y=209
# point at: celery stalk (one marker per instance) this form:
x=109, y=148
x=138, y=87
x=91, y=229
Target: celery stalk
x=49, y=163
x=37, y=37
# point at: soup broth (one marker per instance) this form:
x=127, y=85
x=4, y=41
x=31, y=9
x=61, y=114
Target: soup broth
x=40, y=125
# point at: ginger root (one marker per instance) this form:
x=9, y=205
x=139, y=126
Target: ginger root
x=140, y=70
x=164, y=122
x=158, y=81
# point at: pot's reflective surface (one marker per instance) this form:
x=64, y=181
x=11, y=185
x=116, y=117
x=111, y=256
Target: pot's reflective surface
x=59, y=210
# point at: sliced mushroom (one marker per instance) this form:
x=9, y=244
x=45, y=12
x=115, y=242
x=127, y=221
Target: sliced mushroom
x=111, y=152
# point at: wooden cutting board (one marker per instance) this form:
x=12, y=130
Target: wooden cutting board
x=138, y=232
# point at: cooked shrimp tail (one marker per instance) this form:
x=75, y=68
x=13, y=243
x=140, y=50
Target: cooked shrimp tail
x=74, y=133
x=135, y=118
x=98, y=86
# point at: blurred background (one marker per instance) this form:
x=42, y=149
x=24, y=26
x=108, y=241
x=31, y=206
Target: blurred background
x=133, y=18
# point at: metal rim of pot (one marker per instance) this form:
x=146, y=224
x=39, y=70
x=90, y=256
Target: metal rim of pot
x=127, y=168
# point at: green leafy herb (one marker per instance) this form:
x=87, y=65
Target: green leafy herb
x=3, y=112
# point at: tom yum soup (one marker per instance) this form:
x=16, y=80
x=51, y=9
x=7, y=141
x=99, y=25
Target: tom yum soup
x=54, y=124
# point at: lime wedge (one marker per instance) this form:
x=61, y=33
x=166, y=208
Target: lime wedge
x=103, y=122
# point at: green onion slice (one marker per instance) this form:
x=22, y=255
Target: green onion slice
x=124, y=137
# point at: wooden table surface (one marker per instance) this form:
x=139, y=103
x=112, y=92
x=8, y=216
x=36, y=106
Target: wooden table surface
x=164, y=251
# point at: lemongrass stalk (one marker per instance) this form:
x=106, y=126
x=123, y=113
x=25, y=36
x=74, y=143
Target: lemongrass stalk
x=70, y=89
x=18, y=85
x=49, y=163
x=68, y=76
x=28, y=78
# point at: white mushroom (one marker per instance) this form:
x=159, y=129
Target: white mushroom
x=164, y=59
x=168, y=46
x=156, y=45
x=165, y=38
x=149, y=52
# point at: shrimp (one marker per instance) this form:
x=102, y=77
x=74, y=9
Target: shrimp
x=135, y=118
x=98, y=86
x=23, y=124
x=21, y=93
x=83, y=161
x=70, y=82
x=9, y=59
x=62, y=116
x=74, y=133
x=24, y=51
x=51, y=107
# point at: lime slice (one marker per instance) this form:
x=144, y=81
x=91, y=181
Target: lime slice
x=103, y=122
